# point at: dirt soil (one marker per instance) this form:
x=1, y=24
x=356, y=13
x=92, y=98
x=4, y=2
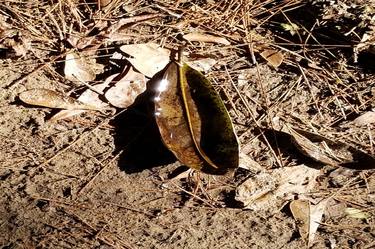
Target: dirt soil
x=102, y=181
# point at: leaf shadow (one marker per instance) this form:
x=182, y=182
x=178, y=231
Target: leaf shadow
x=137, y=135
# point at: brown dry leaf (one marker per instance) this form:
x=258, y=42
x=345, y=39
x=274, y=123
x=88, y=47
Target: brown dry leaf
x=301, y=213
x=201, y=37
x=127, y=89
x=147, y=58
x=78, y=68
x=308, y=217
x=330, y=152
x=269, y=190
x=88, y=97
x=52, y=99
x=365, y=119
x=169, y=114
x=273, y=57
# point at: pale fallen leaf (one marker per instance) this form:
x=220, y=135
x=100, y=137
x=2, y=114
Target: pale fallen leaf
x=88, y=97
x=78, y=68
x=201, y=37
x=147, y=58
x=269, y=190
x=273, y=57
x=328, y=151
x=308, y=217
x=316, y=214
x=301, y=213
x=357, y=213
x=127, y=89
x=203, y=65
x=246, y=162
x=365, y=119
x=53, y=99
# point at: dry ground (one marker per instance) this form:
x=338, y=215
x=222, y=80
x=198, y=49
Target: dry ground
x=97, y=181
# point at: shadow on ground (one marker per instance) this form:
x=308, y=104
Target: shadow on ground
x=137, y=135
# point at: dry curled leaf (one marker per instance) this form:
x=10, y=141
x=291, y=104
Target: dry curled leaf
x=327, y=151
x=308, y=217
x=211, y=126
x=171, y=121
x=193, y=121
x=126, y=89
x=201, y=37
x=147, y=58
x=267, y=191
x=53, y=99
x=89, y=97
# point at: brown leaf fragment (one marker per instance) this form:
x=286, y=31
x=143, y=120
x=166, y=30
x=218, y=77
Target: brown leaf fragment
x=127, y=89
x=273, y=57
x=201, y=37
x=52, y=99
x=327, y=151
x=308, y=217
x=319, y=150
x=301, y=213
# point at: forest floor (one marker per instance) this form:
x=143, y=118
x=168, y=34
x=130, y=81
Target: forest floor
x=99, y=180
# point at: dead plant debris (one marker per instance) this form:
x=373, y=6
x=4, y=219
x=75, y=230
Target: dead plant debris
x=98, y=179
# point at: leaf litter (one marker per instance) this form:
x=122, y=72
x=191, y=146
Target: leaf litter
x=129, y=85
x=53, y=99
x=320, y=148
